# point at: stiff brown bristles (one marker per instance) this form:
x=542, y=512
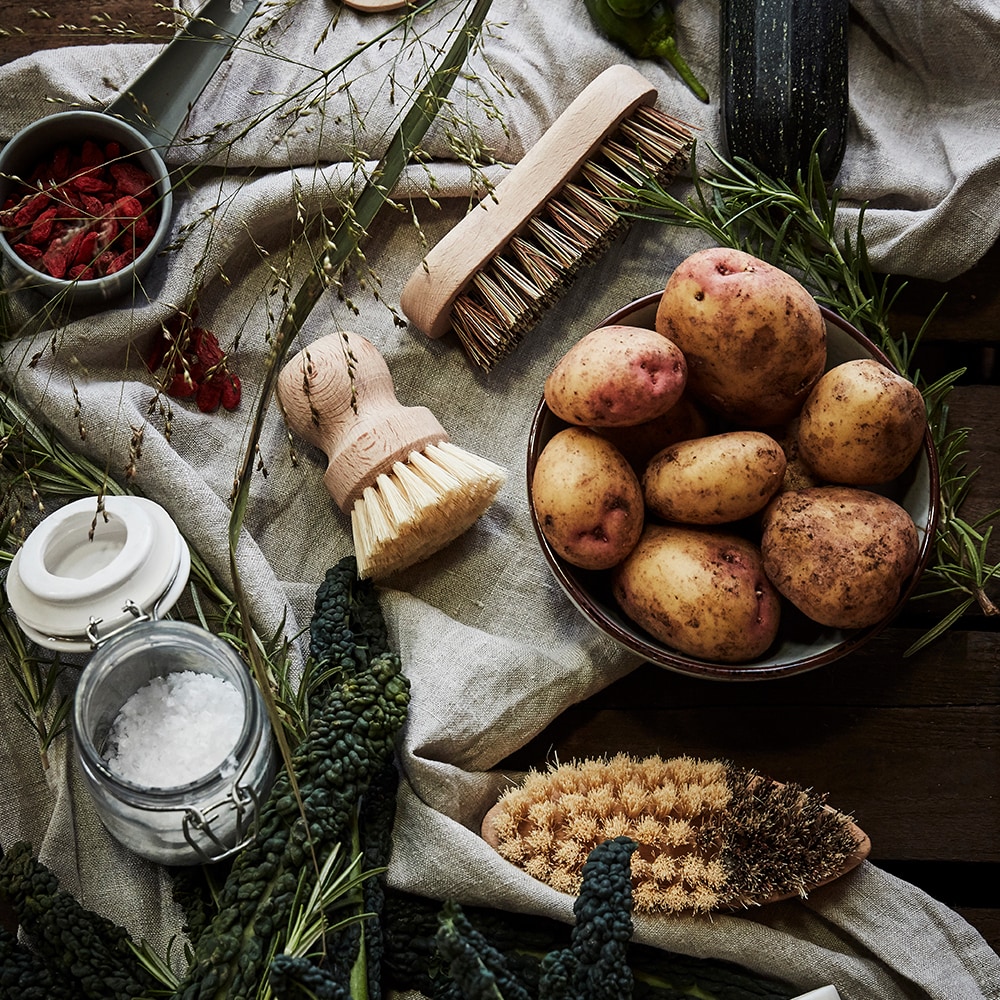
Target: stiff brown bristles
x=419, y=506
x=710, y=835
x=506, y=297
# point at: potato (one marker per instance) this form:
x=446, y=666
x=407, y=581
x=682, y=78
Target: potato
x=616, y=376
x=753, y=336
x=639, y=443
x=798, y=473
x=587, y=499
x=840, y=554
x=862, y=424
x=715, y=479
x=701, y=591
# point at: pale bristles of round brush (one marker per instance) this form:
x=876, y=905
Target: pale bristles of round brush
x=510, y=293
x=421, y=505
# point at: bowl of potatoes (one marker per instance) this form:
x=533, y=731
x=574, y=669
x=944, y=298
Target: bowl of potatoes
x=729, y=479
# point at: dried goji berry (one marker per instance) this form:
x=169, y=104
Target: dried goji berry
x=31, y=209
x=182, y=385
x=130, y=179
x=91, y=205
x=89, y=184
x=86, y=251
x=126, y=207
x=209, y=396
x=91, y=155
x=55, y=260
x=60, y=164
x=206, y=347
x=112, y=150
x=122, y=260
x=41, y=228
x=28, y=253
x=81, y=272
x=231, y=390
x=142, y=230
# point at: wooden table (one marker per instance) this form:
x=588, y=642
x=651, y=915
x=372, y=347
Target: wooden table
x=910, y=746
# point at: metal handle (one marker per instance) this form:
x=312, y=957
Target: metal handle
x=158, y=101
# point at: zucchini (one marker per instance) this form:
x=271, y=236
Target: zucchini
x=784, y=83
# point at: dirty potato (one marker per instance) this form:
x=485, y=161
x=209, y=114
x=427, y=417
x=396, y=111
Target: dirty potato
x=715, y=479
x=701, y=591
x=862, y=424
x=616, y=376
x=639, y=443
x=753, y=336
x=840, y=554
x=587, y=499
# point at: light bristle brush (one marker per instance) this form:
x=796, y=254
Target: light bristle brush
x=711, y=835
x=494, y=274
x=408, y=490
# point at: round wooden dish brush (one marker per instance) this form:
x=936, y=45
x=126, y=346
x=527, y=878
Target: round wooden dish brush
x=711, y=835
x=407, y=489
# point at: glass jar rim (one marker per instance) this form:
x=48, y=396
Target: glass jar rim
x=224, y=775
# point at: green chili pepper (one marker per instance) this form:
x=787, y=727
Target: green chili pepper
x=649, y=36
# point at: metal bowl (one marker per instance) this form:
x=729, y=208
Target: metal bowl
x=30, y=145
x=801, y=644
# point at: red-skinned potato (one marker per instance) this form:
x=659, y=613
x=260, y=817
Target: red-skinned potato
x=701, y=591
x=840, y=554
x=616, y=376
x=862, y=424
x=587, y=499
x=753, y=336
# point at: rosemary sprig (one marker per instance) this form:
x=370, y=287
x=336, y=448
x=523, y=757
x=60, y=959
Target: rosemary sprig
x=795, y=226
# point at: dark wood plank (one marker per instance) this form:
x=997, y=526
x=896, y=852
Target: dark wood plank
x=26, y=27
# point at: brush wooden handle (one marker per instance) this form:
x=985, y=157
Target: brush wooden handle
x=338, y=395
x=572, y=139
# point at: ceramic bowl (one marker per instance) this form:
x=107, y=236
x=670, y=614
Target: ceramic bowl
x=801, y=644
x=30, y=146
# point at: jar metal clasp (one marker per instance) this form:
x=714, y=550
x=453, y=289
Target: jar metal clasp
x=245, y=801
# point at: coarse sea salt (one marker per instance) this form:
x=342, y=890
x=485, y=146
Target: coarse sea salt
x=175, y=729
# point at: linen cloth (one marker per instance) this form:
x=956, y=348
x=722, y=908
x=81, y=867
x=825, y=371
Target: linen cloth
x=493, y=649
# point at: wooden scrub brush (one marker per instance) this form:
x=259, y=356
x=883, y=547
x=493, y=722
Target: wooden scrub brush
x=711, y=835
x=493, y=275
x=408, y=490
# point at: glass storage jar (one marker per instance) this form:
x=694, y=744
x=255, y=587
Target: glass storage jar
x=96, y=578
x=207, y=818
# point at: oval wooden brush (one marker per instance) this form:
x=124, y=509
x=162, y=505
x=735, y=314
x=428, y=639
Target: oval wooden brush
x=711, y=836
x=494, y=274
x=408, y=490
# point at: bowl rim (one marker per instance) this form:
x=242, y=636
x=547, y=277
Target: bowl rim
x=679, y=662
x=106, y=287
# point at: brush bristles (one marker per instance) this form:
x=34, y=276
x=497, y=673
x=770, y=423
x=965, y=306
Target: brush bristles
x=421, y=505
x=510, y=293
x=711, y=835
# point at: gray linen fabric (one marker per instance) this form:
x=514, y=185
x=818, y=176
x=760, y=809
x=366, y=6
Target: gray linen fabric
x=493, y=648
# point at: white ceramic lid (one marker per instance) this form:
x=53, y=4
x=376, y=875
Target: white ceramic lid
x=82, y=566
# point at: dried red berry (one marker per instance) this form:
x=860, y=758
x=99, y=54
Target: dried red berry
x=232, y=389
x=209, y=396
x=41, y=228
x=130, y=179
x=28, y=253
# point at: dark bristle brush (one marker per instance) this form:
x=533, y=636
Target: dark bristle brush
x=494, y=274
